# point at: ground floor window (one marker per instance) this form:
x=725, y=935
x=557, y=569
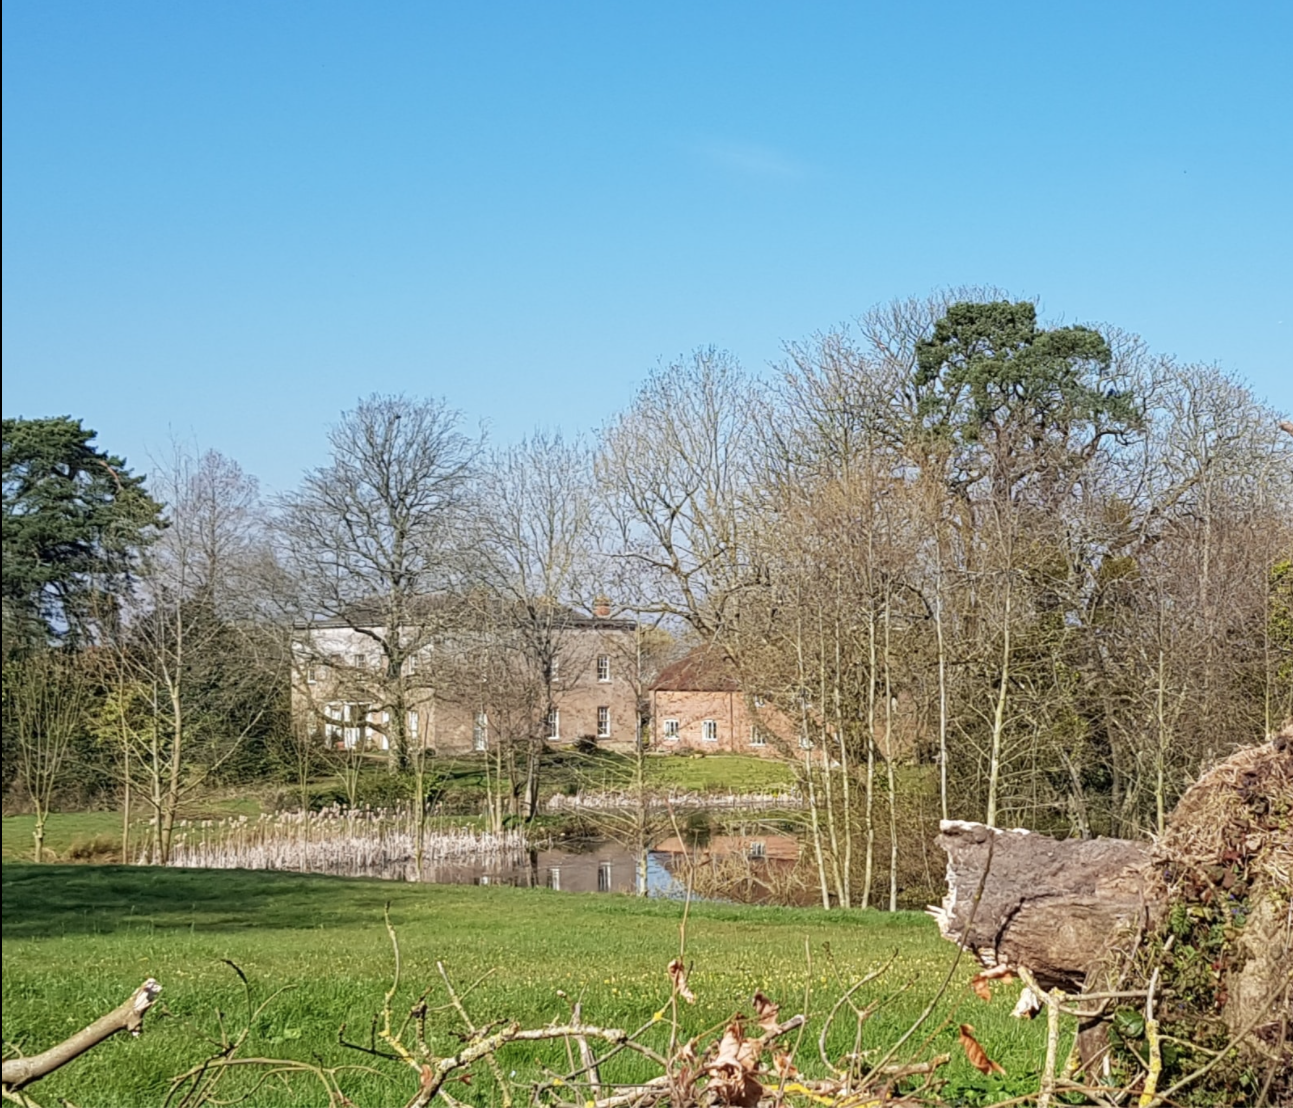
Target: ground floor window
x=670, y=729
x=603, y=723
x=345, y=725
x=480, y=732
x=757, y=737
x=709, y=730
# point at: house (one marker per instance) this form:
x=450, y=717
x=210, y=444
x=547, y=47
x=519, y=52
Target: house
x=467, y=686
x=697, y=704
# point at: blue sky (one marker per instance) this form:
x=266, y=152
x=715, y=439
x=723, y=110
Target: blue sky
x=225, y=221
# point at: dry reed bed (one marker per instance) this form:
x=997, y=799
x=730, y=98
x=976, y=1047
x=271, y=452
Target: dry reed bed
x=356, y=842
x=615, y=800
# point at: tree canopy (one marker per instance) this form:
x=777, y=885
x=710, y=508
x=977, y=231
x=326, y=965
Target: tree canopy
x=74, y=519
x=991, y=382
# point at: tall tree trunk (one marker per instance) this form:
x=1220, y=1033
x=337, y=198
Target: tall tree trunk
x=868, y=815
x=999, y=713
x=942, y=691
x=815, y=826
x=889, y=769
x=125, y=807
x=38, y=831
x=846, y=793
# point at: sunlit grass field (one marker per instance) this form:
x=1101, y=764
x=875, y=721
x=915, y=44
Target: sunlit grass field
x=719, y=772
x=79, y=939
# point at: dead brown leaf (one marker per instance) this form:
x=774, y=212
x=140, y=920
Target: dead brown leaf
x=766, y=1011
x=731, y=1073
x=980, y=982
x=678, y=972
x=785, y=1067
x=976, y=1054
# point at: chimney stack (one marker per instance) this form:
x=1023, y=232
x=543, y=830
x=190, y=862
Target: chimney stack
x=602, y=607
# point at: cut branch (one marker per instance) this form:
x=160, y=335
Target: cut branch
x=20, y=1072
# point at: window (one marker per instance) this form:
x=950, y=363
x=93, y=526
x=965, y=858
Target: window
x=413, y=727
x=480, y=732
x=709, y=730
x=671, y=729
x=359, y=661
x=758, y=849
x=411, y=665
x=333, y=717
x=353, y=720
x=554, y=724
x=311, y=675
x=603, y=667
x=554, y=670
x=759, y=702
x=603, y=723
x=757, y=737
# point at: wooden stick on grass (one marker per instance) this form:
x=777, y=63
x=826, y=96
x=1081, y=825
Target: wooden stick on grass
x=20, y=1072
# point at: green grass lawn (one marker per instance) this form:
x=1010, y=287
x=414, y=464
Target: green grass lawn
x=63, y=832
x=719, y=773
x=78, y=939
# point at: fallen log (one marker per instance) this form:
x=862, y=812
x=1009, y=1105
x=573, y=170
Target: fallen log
x=1099, y=915
x=1048, y=904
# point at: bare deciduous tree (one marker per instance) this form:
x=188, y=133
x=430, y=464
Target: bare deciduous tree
x=370, y=541
x=194, y=668
x=46, y=701
x=536, y=538
x=675, y=470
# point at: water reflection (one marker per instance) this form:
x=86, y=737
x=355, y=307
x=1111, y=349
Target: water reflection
x=760, y=872
x=602, y=868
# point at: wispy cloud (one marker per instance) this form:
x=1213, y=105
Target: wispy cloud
x=755, y=161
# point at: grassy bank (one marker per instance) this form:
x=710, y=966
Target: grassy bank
x=77, y=940
x=96, y=836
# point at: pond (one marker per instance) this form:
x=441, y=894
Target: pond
x=757, y=869
x=599, y=867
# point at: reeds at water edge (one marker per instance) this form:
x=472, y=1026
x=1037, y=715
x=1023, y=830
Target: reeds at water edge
x=345, y=842
x=612, y=800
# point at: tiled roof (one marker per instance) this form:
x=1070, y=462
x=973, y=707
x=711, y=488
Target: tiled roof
x=705, y=669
